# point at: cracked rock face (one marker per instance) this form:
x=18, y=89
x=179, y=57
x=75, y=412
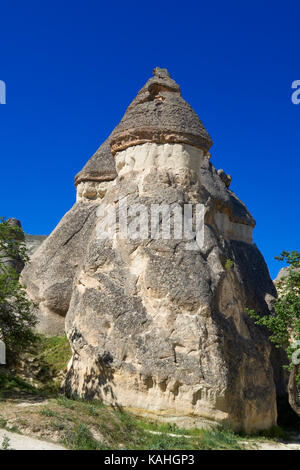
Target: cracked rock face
x=160, y=325
x=162, y=329
x=48, y=276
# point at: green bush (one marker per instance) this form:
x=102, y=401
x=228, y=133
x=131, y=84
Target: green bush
x=16, y=313
x=284, y=324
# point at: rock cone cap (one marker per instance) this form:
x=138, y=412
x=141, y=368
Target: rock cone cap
x=100, y=167
x=159, y=114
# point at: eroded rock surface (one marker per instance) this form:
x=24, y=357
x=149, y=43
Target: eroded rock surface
x=48, y=276
x=160, y=325
x=156, y=327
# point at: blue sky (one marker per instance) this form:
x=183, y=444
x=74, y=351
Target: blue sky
x=72, y=68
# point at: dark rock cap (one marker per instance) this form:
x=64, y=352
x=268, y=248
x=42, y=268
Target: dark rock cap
x=100, y=167
x=159, y=114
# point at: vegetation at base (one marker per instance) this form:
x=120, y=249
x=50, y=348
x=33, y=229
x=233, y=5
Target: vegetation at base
x=16, y=311
x=83, y=425
x=81, y=438
x=42, y=369
x=5, y=443
x=275, y=432
x=91, y=425
x=11, y=384
x=286, y=321
x=54, y=351
x=284, y=324
x=52, y=354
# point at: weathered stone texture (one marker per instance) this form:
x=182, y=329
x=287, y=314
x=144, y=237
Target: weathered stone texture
x=159, y=114
x=160, y=329
x=160, y=326
x=48, y=276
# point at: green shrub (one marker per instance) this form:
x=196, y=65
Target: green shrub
x=16, y=313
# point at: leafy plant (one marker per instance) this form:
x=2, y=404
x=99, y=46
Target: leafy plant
x=46, y=411
x=16, y=314
x=12, y=242
x=81, y=438
x=5, y=443
x=284, y=324
x=228, y=264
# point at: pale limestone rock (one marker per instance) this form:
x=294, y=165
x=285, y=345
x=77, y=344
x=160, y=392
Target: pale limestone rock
x=91, y=190
x=155, y=326
x=49, y=274
x=162, y=330
x=233, y=230
x=175, y=157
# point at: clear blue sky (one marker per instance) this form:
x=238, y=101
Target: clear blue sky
x=72, y=68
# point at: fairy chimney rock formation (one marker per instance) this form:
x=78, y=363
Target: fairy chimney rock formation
x=157, y=319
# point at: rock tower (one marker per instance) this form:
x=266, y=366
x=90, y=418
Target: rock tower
x=159, y=324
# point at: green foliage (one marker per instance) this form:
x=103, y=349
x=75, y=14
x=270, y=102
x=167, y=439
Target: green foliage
x=16, y=315
x=53, y=354
x=5, y=443
x=91, y=425
x=3, y=423
x=228, y=264
x=222, y=440
x=81, y=438
x=42, y=369
x=9, y=385
x=285, y=323
x=92, y=410
x=55, y=351
x=275, y=432
x=46, y=411
x=154, y=435
x=12, y=244
x=66, y=402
